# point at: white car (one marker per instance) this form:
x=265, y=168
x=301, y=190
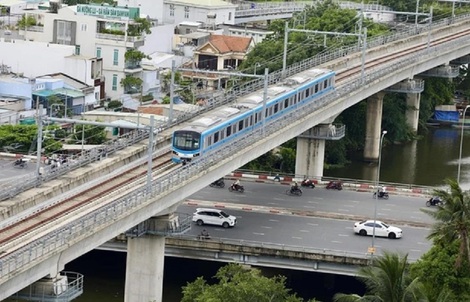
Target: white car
x=382, y=229
x=215, y=217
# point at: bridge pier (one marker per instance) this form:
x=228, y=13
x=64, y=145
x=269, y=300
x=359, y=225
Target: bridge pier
x=145, y=260
x=412, y=110
x=310, y=156
x=373, y=126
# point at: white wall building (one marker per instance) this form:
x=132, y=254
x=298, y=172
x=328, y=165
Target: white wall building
x=210, y=12
x=96, y=31
x=33, y=59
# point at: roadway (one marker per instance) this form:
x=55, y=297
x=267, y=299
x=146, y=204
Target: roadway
x=266, y=214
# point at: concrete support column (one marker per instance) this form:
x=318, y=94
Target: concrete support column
x=145, y=263
x=373, y=126
x=412, y=110
x=310, y=157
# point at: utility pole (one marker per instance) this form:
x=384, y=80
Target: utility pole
x=172, y=92
x=39, y=142
x=150, y=153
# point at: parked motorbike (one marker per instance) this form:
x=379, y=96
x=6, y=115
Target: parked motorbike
x=307, y=183
x=294, y=191
x=382, y=195
x=236, y=188
x=434, y=201
x=334, y=185
x=219, y=183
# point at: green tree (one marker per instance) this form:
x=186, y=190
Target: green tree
x=452, y=221
x=93, y=135
x=140, y=25
x=26, y=21
x=57, y=105
x=131, y=83
x=235, y=284
x=386, y=280
x=441, y=281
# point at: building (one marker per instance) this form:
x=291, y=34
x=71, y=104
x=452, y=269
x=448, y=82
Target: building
x=100, y=31
x=220, y=53
x=210, y=12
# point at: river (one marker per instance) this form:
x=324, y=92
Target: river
x=427, y=161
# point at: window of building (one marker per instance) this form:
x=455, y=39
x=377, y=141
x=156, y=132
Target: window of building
x=98, y=52
x=186, y=12
x=77, y=50
x=115, y=81
x=230, y=16
x=172, y=10
x=116, y=57
x=83, y=27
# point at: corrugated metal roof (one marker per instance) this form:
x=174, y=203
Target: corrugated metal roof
x=64, y=91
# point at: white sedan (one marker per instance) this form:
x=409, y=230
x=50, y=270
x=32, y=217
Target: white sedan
x=382, y=229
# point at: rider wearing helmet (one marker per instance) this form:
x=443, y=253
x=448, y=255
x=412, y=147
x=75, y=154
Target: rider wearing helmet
x=295, y=186
x=236, y=184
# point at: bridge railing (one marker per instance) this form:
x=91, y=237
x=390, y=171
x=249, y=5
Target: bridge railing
x=71, y=233
x=15, y=188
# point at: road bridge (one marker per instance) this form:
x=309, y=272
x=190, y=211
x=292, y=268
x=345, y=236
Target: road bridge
x=84, y=231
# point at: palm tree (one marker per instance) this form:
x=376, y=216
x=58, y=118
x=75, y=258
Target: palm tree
x=453, y=220
x=386, y=280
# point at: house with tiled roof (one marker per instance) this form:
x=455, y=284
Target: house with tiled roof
x=220, y=53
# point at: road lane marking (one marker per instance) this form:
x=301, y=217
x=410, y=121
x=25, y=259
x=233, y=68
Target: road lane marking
x=312, y=224
x=311, y=201
x=300, y=238
x=343, y=235
x=304, y=231
x=273, y=220
x=260, y=234
x=309, y=207
x=343, y=210
x=266, y=227
x=348, y=205
x=334, y=241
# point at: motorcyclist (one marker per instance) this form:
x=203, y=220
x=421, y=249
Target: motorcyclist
x=19, y=161
x=218, y=181
x=382, y=191
x=236, y=184
x=435, y=200
x=295, y=187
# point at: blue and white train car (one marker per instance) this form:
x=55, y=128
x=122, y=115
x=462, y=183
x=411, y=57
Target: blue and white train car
x=211, y=130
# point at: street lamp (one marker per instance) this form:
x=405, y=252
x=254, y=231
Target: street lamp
x=461, y=143
x=377, y=197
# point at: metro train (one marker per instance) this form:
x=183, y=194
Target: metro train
x=215, y=128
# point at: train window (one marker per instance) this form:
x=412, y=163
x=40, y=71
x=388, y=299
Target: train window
x=251, y=120
x=247, y=120
x=209, y=140
x=186, y=140
x=316, y=88
x=229, y=131
x=222, y=134
x=307, y=92
x=216, y=137
x=325, y=84
x=276, y=108
x=240, y=125
x=286, y=103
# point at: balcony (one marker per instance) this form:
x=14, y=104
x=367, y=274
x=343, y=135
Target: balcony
x=136, y=40
x=133, y=67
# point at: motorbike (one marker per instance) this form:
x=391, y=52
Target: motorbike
x=307, y=183
x=381, y=195
x=294, y=191
x=434, y=201
x=335, y=185
x=236, y=188
x=19, y=164
x=219, y=183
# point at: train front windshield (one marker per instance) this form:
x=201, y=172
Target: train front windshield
x=186, y=140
